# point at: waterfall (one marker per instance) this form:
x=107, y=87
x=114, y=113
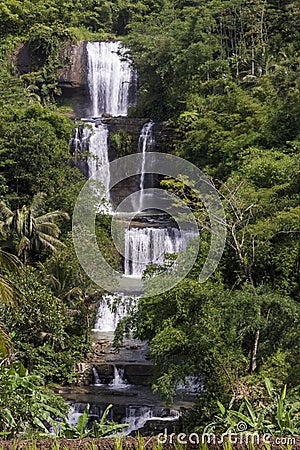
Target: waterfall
x=106, y=320
x=93, y=138
x=119, y=381
x=79, y=142
x=137, y=416
x=97, y=381
x=148, y=245
x=98, y=147
x=192, y=385
x=134, y=415
x=111, y=84
x=95, y=413
x=112, y=89
x=77, y=409
x=112, y=309
x=146, y=144
x=75, y=143
x=110, y=79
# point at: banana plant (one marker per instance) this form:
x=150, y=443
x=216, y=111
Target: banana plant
x=25, y=405
x=280, y=416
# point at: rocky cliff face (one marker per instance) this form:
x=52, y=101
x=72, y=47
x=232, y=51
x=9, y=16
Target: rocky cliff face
x=73, y=57
x=73, y=79
x=74, y=73
x=22, y=59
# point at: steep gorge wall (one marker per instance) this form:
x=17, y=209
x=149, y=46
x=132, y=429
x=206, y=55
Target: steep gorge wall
x=74, y=74
x=124, y=132
x=73, y=79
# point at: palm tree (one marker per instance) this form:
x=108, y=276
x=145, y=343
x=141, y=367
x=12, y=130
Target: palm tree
x=28, y=231
x=9, y=293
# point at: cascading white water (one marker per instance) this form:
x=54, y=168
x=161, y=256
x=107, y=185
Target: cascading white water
x=97, y=381
x=119, y=381
x=146, y=144
x=95, y=413
x=75, y=413
x=137, y=416
x=93, y=138
x=98, y=147
x=192, y=385
x=109, y=316
x=149, y=245
x=80, y=140
x=111, y=83
x=110, y=77
x=75, y=142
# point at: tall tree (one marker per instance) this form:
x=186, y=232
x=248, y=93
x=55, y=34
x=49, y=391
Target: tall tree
x=9, y=292
x=28, y=231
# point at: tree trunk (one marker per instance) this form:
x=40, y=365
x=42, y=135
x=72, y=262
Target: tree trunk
x=254, y=352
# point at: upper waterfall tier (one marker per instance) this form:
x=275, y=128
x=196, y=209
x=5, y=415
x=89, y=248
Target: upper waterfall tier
x=146, y=144
x=111, y=79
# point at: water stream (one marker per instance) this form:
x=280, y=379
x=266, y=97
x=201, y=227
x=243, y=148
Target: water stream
x=110, y=79
x=150, y=245
x=119, y=381
x=112, y=90
x=146, y=144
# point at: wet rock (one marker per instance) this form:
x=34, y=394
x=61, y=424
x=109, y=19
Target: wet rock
x=74, y=73
x=105, y=372
x=138, y=374
x=85, y=375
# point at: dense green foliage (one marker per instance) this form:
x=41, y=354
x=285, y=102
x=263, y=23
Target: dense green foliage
x=26, y=405
x=278, y=416
x=225, y=74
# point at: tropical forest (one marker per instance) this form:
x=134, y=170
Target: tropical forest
x=148, y=96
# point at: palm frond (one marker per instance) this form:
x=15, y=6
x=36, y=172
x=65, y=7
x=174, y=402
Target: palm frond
x=52, y=215
x=49, y=241
x=10, y=295
x=5, y=211
x=9, y=262
x=37, y=203
x=48, y=228
x=5, y=343
x=3, y=231
x=20, y=219
x=29, y=231
x=24, y=245
x=5, y=225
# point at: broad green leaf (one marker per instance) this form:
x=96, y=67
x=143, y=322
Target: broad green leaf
x=221, y=407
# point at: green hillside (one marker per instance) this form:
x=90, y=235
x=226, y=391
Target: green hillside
x=225, y=75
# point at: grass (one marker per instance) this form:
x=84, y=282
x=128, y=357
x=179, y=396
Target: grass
x=137, y=443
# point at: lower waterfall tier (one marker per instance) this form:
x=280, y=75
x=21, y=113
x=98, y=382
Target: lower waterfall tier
x=150, y=245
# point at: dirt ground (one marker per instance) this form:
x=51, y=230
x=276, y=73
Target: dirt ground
x=131, y=443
